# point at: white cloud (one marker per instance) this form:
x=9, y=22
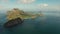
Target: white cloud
x=25, y=1
x=1, y=7
x=47, y=7
x=42, y=5
x=5, y=1
x=57, y=8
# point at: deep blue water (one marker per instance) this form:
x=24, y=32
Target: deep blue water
x=48, y=24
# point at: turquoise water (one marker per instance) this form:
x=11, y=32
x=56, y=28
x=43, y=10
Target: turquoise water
x=48, y=24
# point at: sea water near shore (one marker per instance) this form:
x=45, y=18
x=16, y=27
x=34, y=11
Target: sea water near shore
x=48, y=24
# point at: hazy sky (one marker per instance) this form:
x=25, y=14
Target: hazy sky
x=31, y=5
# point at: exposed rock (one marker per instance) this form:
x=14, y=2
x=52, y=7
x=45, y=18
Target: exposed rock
x=13, y=22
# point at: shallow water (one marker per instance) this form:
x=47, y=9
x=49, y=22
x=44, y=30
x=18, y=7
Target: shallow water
x=41, y=25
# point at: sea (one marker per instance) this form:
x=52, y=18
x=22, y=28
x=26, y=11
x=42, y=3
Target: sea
x=47, y=24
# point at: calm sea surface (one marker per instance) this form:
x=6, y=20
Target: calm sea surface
x=48, y=24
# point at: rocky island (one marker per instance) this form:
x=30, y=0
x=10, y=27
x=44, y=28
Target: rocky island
x=16, y=16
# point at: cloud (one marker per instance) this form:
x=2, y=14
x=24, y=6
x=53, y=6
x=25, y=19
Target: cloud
x=1, y=7
x=42, y=5
x=47, y=7
x=57, y=8
x=25, y=1
x=5, y=1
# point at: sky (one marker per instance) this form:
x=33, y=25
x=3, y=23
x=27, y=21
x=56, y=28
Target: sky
x=31, y=5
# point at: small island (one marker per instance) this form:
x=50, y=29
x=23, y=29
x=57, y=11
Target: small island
x=17, y=16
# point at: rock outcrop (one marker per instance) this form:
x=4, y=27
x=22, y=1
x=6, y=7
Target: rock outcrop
x=13, y=22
